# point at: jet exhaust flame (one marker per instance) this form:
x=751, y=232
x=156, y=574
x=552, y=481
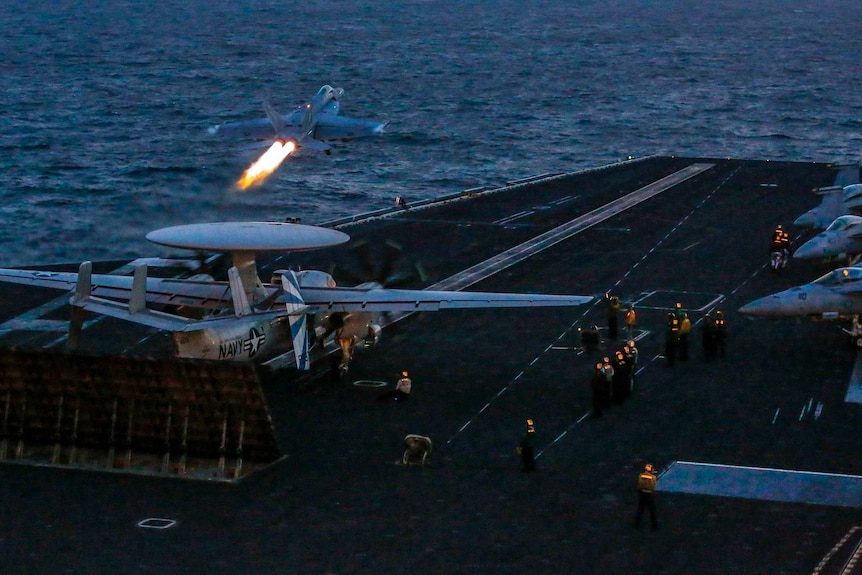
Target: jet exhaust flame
x=266, y=164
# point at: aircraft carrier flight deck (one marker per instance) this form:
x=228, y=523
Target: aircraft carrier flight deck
x=757, y=452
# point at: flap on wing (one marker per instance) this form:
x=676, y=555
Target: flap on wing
x=313, y=144
x=214, y=296
x=350, y=299
x=156, y=319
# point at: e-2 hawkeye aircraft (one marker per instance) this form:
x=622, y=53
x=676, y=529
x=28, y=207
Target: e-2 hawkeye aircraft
x=245, y=319
x=311, y=125
x=836, y=295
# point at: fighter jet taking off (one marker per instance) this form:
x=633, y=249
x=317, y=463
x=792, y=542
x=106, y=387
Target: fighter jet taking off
x=310, y=125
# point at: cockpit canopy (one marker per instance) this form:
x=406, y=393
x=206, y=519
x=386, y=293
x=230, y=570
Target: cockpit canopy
x=840, y=276
x=326, y=90
x=852, y=191
x=842, y=223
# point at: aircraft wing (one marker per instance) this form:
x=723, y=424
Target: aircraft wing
x=333, y=127
x=257, y=129
x=321, y=300
x=207, y=295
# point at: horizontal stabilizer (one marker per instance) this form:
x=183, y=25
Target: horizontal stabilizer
x=313, y=144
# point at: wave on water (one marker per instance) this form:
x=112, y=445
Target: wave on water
x=103, y=135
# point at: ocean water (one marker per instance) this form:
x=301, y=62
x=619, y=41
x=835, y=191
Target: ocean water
x=106, y=104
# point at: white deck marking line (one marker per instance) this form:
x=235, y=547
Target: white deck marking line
x=523, y=251
x=675, y=228
x=834, y=550
x=156, y=523
x=563, y=232
x=510, y=257
x=763, y=483
x=512, y=217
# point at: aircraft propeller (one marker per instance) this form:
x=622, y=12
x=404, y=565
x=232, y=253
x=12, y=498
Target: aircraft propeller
x=379, y=265
x=374, y=265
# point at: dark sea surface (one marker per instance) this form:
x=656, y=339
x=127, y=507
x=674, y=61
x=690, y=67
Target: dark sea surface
x=106, y=104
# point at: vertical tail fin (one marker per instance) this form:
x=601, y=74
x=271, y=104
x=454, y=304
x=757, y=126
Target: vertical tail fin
x=85, y=282
x=241, y=306
x=298, y=319
x=274, y=117
x=82, y=292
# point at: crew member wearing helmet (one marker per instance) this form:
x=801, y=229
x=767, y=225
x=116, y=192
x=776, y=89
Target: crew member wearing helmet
x=647, y=482
x=599, y=386
x=525, y=450
x=631, y=319
x=404, y=385
x=402, y=389
x=613, y=305
x=621, y=377
x=720, y=333
x=671, y=338
x=709, y=340
x=780, y=243
x=631, y=352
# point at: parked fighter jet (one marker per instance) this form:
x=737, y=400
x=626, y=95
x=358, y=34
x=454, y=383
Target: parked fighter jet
x=832, y=295
x=836, y=295
x=842, y=239
x=311, y=125
x=246, y=319
x=836, y=201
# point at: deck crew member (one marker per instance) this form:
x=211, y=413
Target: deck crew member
x=720, y=333
x=780, y=243
x=646, y=485
x=671, y=338
x=631, y=320
x=402, y=390
x=621, y=378
x=684, y=329
x=608, y=391
x=525, y=450
x=631, y=352
x=710, y=336
x=598, y=384
x=613, y=307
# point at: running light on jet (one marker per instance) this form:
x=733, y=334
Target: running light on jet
x=266, y=164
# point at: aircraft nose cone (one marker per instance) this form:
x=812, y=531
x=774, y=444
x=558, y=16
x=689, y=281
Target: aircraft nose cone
x=758, y=307
x=784, y=303
x=806, y=220
x=811, y=249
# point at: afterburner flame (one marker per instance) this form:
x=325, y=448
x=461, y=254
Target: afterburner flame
x=266, y=164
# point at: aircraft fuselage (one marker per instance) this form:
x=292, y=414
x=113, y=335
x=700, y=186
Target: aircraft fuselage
x=245, y=340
